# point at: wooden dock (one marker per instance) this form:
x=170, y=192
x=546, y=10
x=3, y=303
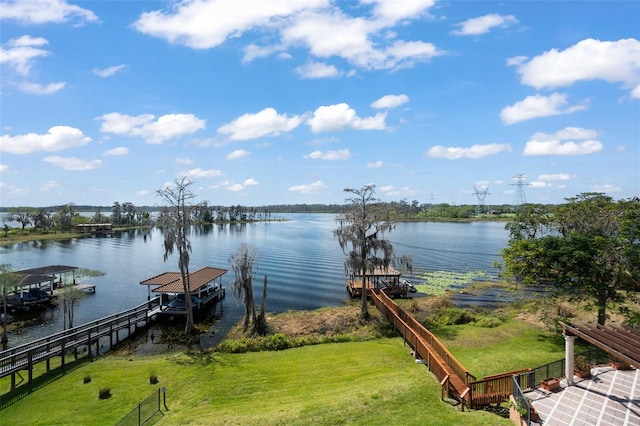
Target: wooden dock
x=95, y=228
x=105, y=331
x=87, y=288
x=456, y=381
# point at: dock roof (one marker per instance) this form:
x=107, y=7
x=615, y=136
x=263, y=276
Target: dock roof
x=48, y=270
x=390, y=271
x=171, y=282
x=43, y=274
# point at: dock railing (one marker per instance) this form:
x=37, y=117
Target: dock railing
x=454, y=378
x=494, y=389
x=25, y=356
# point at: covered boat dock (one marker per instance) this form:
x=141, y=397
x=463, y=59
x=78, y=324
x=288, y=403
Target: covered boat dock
x=384, y=279
x=205, y=286
x=38, y=286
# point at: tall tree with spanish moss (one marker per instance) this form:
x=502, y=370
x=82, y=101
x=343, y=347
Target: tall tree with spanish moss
x=360, y=231
x=176, y=225
x=243, y=264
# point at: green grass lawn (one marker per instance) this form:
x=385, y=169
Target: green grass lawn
x=510, y=346
x=372, y=382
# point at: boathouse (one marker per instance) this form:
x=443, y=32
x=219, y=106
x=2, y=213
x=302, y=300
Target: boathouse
x=95, y=228
x=205, y=286
x=384, y=279
x=38, y=286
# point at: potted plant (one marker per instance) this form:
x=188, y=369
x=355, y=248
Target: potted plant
x=582, y=367
x=518, y=406
x=550, y=384
x=619, y=364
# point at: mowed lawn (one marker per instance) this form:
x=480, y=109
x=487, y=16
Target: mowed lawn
x=374, y=382
x=510, y=346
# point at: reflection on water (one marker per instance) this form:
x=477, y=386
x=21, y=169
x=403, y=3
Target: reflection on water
x=300, y=256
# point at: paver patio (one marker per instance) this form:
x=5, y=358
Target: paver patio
x=608, y=397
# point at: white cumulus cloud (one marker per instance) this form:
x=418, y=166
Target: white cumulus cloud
x=323, y=28
x=473, y=152
x=200, y=173
x=38, y=89
x=341, y=154
x=390, y=101
x=375, y=165
x=590, y=59
x=20, y=53
x=556, y=176
x=45, y=11
x=310, y=188
x=73, y=163
x=57, y=138
x=538, y=106
x=606, y=188
x=264, y=123
x=238, y=153
x=484, y=24
x=146, y=127
x=108, y=72
x=237, y=187
x=313, y=70
x=568, y=141
x=121, y=150
x=333, y=118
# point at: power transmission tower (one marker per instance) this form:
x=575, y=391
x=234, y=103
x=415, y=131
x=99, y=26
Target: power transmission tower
x=482, y=195
x=520, y=184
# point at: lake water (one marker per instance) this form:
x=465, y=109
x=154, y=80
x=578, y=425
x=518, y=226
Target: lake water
x=300, y=256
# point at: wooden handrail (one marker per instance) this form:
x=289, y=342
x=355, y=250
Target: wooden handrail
x=26, y=355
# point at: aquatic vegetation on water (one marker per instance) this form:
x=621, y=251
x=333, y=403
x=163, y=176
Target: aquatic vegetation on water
x=438, y=282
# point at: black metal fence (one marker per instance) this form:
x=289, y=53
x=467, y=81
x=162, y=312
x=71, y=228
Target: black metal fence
x=529, y=380
x=593, y=356
x=145, y=410
x=522, y=403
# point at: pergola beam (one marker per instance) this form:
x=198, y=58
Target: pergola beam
x=622, y=345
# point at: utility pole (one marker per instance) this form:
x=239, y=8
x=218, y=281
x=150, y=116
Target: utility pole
x=482, y=195
x=520, y=184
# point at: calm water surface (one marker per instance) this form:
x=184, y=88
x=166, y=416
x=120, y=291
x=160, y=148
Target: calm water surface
x=300, y=256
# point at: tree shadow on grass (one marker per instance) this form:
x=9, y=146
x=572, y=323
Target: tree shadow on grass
x=553, y=341
x=444, y=332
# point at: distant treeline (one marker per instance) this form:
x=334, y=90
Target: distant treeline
x=126, y=214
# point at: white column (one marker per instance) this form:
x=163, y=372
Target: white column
x=569, y=344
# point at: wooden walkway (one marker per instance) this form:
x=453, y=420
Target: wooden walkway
x=87, y=288
x=456, y=381
x=65, y=343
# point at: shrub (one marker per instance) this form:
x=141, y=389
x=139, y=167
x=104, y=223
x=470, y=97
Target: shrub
x=104, y=393
x=488, y=322
x=386, y=329
x=87, y=379
x=453, y=316
x=277, y=342
x=234, y=346
x=153, y=378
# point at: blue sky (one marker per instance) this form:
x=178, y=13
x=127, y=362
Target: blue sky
x=291, y=101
